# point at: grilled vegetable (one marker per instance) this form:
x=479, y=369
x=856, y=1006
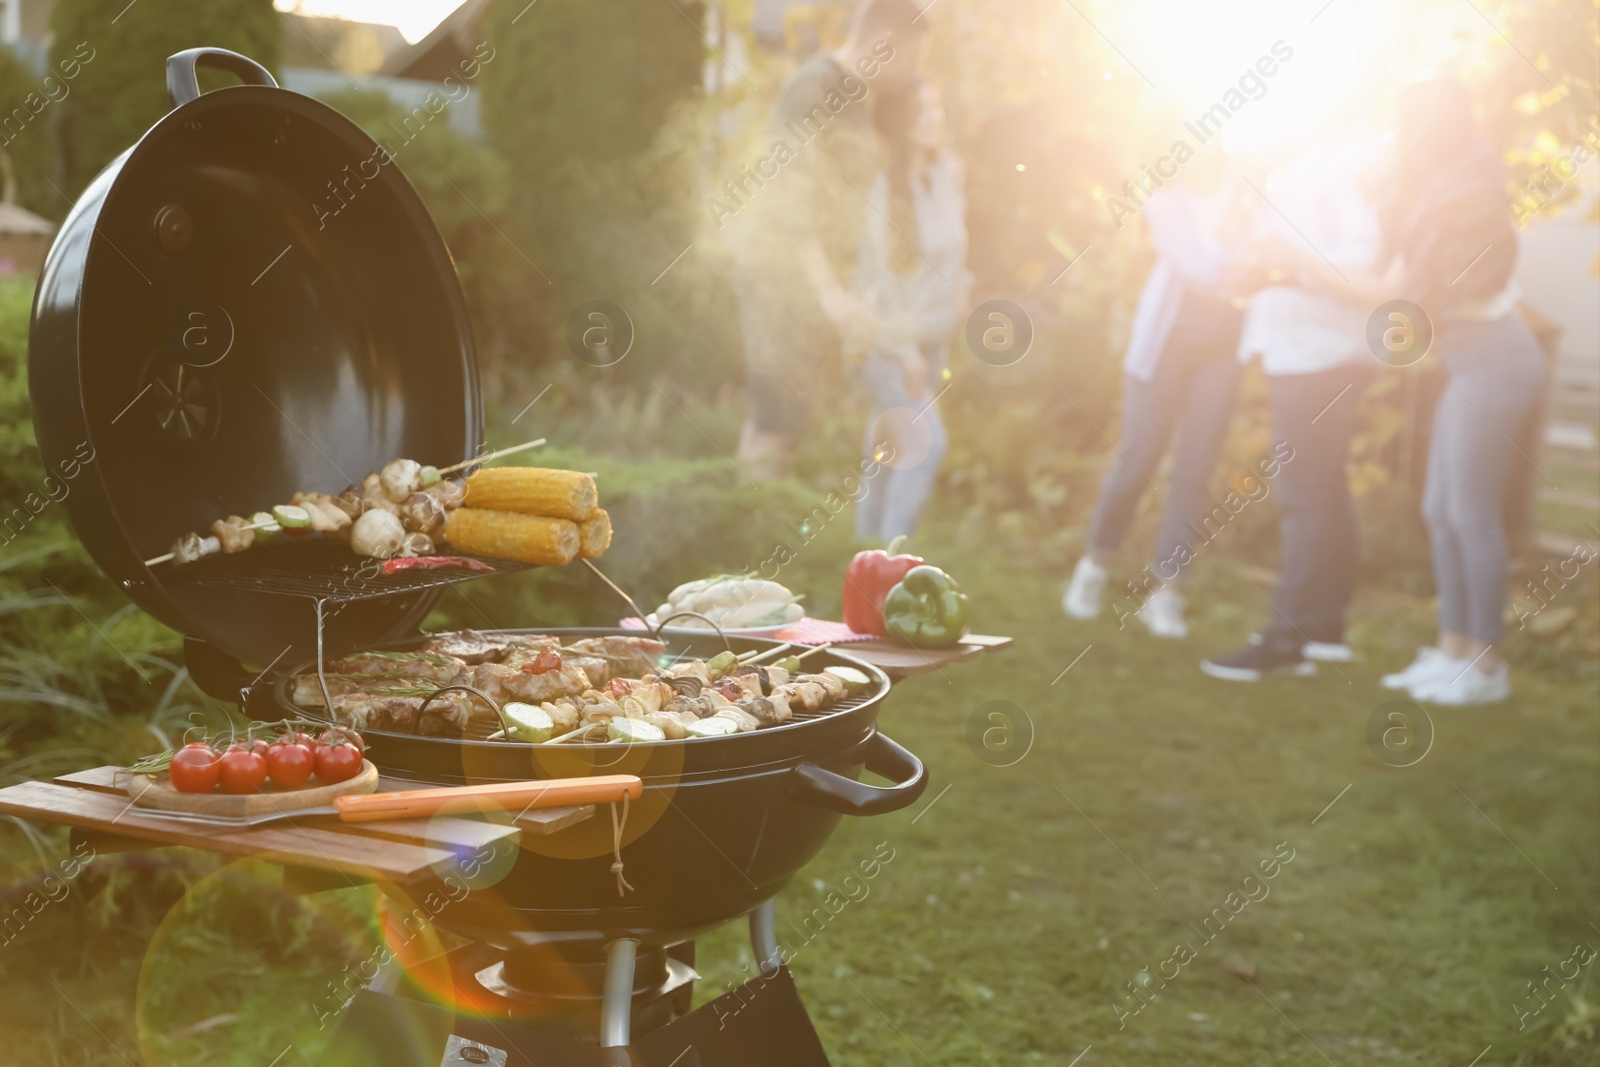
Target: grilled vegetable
x=292, y=516
x=632, y=730
x=711, y=727
x=377, y=534
x=525, y=722
x=268, y=526
x=533, y=491
x=721, y=664
x=400, y=478
x=423, y=513
x=927, y=609
x=594, y=535
x=854, y=681
x=503, y=535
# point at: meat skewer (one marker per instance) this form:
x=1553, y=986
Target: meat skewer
x=394, y=490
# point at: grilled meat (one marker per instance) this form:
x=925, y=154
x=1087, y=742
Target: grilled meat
x=414, y=666
x=503, y=682
x=626, y=657
x=584, y=682
x=469, y=646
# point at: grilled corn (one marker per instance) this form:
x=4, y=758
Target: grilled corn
x=594, y=535
x=533, y=491
x=503, y=535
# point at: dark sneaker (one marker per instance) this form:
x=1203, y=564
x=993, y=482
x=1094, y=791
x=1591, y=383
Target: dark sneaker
x=1258, y=659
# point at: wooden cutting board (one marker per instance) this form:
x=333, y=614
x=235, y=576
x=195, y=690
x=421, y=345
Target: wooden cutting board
x=158, y=793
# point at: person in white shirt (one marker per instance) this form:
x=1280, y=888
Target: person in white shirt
x=912, y=275
x=1450, y=249
x=1180, y=374
x=1311, y=340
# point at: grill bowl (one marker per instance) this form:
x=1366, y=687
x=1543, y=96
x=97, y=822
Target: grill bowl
x=723, y=825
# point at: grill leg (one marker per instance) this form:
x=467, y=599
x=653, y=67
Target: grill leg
x=764, y=936
x=616, y=1004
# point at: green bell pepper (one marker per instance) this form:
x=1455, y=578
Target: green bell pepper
x=927, y=609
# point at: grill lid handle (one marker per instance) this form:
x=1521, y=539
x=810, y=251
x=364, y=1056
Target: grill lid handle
x=183, y=75
x=827, y=789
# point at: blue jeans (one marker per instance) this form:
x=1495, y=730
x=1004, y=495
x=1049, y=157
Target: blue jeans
x=1316, y=415
x=894, y=500
x=1193, y=390
x=1495, y=377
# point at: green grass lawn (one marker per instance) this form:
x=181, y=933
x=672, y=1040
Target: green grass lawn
x=1024, y=902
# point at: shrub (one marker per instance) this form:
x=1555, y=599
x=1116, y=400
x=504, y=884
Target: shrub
x=122, y=90
x=27, y=131
x=675, y=520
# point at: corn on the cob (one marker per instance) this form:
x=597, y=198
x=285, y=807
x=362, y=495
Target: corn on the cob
x=533, y=491
x=503, y=535
x=594, y=535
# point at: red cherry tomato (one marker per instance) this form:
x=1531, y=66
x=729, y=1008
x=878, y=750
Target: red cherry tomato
x=242, y=770
x=338, y=763
x=257, y=745
x=546, y=661
x=290, y=764
x=194, y=769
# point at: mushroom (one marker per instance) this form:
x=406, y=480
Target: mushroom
x=425, y=514
x=400, y=478
x=378, y=534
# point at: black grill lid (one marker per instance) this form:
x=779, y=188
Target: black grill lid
x=250, y=301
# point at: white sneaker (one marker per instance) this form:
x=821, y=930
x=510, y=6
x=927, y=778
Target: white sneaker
x=1429, y=664
x=1082, y=598
x=1163, y=614
x=1328, y=652
x=1465, y=686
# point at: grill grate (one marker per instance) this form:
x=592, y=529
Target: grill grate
x=317, y=570
x=480, y=729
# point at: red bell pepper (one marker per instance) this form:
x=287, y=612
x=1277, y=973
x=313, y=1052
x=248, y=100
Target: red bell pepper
x=867, y=580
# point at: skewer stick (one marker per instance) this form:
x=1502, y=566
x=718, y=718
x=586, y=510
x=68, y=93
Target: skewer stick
x=814, y=651
x=638, y=612
x=480, y=460
x=585, y=728
x=169, y=555
x=757, y=657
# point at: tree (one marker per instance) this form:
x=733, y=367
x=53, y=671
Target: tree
x=27, y=134
x=457, y=179
x=121, y=89
x=590, y=104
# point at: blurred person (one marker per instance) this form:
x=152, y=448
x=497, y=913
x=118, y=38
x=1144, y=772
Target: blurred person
x=1180, y=374
x=1311, y=339
x=1452, y=249
x=912, y=277
x=807, y=229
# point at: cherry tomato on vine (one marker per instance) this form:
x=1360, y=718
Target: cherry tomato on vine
x=338, y=762
x=290, y=764
x=194, y=769
x=348, y=737
x=242, y=770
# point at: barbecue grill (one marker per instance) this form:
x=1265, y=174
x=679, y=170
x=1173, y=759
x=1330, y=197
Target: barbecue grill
x=216, y=341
